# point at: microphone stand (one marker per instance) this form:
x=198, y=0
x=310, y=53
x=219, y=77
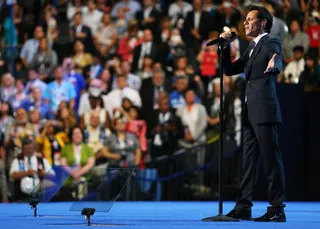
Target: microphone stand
x=220, y=217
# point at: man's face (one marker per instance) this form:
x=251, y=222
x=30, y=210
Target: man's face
x=297, y=55
x=147, y=3
x=294, y=27
x=190, y=97
x=77, y=20
x=91, y=5
x=157, y=79
x=28, y=150
x=181, y=84
x=38, y=33
x=68, y=64
x=252, y=24
x=125, y=67
x=164, y=105
x=36, y=94
x=94, y=120
x=32, y=74
x=58, y=73
x=147, y=35
x=122, y=82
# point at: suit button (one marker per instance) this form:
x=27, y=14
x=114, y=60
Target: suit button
x=248, y=81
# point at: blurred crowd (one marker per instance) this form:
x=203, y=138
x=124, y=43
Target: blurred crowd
x=116, y=83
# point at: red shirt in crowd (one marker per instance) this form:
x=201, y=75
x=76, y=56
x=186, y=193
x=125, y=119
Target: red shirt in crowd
x=314, y=35
x=208, y=65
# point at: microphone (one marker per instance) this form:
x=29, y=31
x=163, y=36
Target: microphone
x=222, y=41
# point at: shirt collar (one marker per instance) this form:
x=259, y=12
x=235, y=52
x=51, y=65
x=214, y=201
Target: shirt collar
x=257, y=39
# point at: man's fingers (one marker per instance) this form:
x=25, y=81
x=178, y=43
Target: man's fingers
x=274, y=55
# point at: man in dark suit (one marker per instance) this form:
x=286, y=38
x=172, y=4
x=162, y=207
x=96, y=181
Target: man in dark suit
x=81, y=32
x=148, y=47
x=150, y=91
x=149, y=18
x=197, y=26
x=261, y=63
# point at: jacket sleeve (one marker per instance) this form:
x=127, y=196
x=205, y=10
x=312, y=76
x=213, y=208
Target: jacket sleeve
x=274, y=47
x=230, y=68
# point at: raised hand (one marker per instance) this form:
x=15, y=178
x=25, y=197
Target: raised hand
x=271, y=66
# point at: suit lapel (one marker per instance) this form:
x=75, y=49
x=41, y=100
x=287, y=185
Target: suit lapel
x=256, y=50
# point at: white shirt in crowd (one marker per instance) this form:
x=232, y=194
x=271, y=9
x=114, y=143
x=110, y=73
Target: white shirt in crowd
x=133, y=80
x=114, y=99
x=92, y=19
x=294, y=70
x=33, y=165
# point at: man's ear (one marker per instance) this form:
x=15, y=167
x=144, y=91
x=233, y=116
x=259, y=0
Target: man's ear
x=264, y=23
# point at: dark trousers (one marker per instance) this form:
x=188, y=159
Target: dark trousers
x=261, y=142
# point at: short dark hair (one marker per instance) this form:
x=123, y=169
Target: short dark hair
x=263, y=13
x=27, y=141
x=298, y=48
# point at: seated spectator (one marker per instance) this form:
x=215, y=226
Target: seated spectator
x=27, y=170
x=95, y=134
x=312, y=28
x=309, y=76
x=114, y=99
x=30, y=47
x=106, y=37
x=58, y=91
x=74, y=78
x=51, y=141
x=44, y=61
x=19, y=96
x=293, y=39
x=34, y=82
x=50, y=23
x=91, y=16
x=177, y=96
x=194, y=120
x=122, y=148
x=279, y=28
x=7, y=89
x=293, y=70
x=35, y=101
x=78, y=155
x=81, y=59
x=129, y=42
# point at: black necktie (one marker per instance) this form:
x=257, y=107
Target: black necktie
x=251, y=47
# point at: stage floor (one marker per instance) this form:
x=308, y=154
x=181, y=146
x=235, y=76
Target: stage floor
x=150, y=215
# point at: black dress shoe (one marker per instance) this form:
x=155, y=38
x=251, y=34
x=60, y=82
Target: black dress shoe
x=243, y=215
x=272, y=217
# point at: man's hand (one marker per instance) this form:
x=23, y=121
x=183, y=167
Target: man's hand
x=226, y=35
x=30, y=173
x=271, y=66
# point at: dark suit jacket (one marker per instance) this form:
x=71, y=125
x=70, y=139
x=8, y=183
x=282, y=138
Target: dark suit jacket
x=262, y=100
x=205, y=26
x=153, y=26
x=147, y=97
x=158, y=54
x=88, y=42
